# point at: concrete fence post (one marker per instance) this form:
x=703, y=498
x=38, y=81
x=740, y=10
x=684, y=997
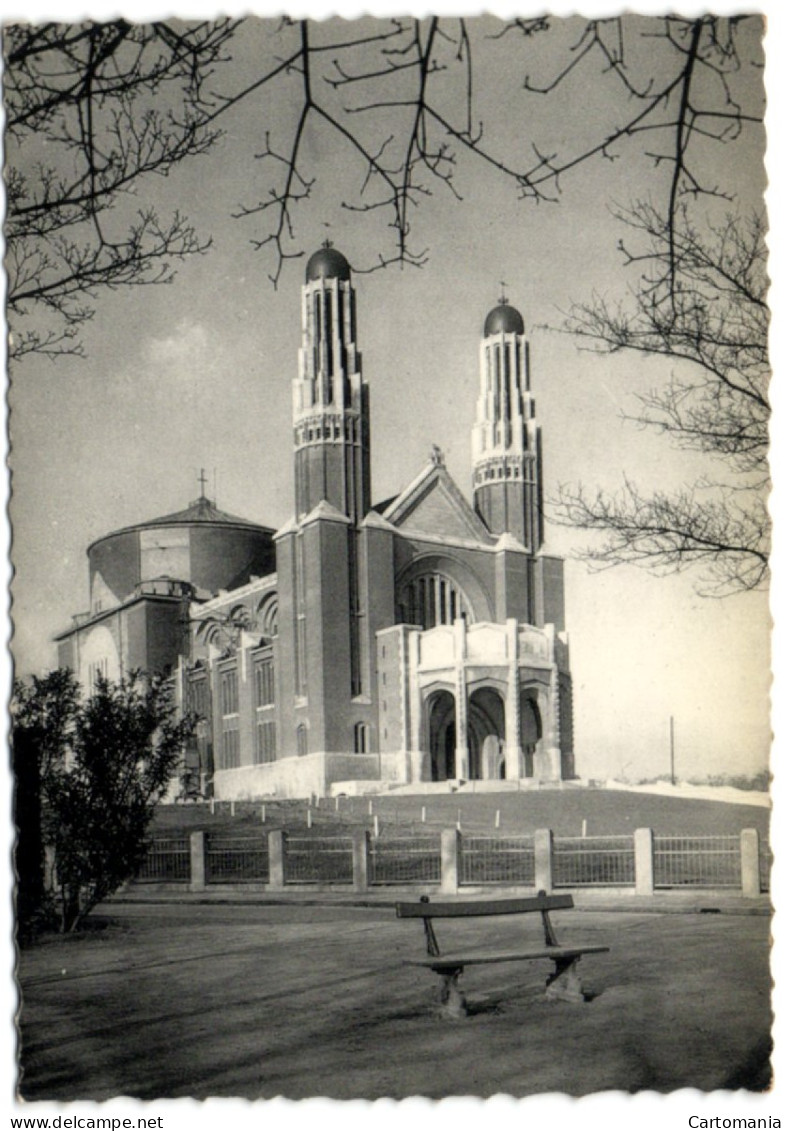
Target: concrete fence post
x=276, y=852
x=361, y=855
x=644, y=861
x=749, y=862
x=543, y=860
x=450, y=845
x=197, y=861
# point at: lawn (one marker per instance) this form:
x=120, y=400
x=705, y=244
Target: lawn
x=258, y=1001
x=606, y=813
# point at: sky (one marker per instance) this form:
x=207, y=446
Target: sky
x=198, y=375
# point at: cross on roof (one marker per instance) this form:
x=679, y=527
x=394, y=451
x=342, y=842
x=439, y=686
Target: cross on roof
x=202, y=481
x=503, y=300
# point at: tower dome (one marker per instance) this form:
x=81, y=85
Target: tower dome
x=327, y=263
x=504, y=318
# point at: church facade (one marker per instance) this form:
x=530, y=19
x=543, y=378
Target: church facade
x=416, y=640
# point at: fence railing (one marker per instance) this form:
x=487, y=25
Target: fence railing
x=643, y=863
x=595, y=861
x=237, y=860
x=317, y=860
x=697, y=861
x=497, y=860
x=167, y=860
x=405, y=860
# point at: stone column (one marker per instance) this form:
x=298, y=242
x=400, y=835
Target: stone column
x=644, y=861
x=512, y=751
x=416, y=707
x=552, y=750
x=197, y=861
x=449, y=860
x=361, y=849
x=749, y=862
x=276, y=858
x=543, y=860
x=462, y=758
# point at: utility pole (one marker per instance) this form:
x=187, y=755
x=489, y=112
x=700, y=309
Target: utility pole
x=671, y=735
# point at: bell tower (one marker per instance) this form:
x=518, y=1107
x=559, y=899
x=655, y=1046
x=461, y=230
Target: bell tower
x=506, y=439
x=330, y=398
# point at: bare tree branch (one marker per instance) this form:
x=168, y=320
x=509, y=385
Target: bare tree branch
x=108, y=104
x=93, y=110
x=700, y=301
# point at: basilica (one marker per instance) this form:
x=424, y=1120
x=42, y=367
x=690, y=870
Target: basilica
x=364, y=644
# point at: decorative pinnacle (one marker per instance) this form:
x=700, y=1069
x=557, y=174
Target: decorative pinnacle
x=502, y=301
x=327, y=243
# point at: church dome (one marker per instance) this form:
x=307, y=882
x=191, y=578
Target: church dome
x=504, y=318
x=206, y=547
x=326, y=263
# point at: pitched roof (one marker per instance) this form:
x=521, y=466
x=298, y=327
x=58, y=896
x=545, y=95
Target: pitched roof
x=433, y=504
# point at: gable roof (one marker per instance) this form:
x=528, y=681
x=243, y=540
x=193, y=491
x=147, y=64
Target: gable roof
x=433, y=504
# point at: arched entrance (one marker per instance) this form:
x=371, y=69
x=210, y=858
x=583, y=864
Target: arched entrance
x=530, y=728
x=441, y=713
x=486, y=730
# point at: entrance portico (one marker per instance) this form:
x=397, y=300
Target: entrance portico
x=480, y=702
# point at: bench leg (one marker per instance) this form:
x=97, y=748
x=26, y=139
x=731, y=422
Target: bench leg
x=564, y=983
x=452, y=1000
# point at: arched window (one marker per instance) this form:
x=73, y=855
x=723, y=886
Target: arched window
x=431, y=599
x=267, y=616
x=361, y=738
x=239, y=615
x=211, y=634
x=302, y=740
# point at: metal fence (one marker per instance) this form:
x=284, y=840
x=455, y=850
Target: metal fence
x=697, y=861
x=497, y=860
x=398, y=858
x=167, y=860
x=594, y=861
x=231, y=860
x=402, y=860
x=317, y=859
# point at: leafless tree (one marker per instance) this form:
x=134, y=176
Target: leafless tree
x=91, y=109
x=95, y=109
x=700, y=305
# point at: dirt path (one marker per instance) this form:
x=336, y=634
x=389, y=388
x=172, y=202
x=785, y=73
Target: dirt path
x=304, y=1001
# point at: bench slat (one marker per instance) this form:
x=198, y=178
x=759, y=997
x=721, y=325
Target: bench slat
x=453, y=961
x=464, y=909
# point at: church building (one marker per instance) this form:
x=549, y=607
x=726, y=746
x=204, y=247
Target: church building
x=416, y=640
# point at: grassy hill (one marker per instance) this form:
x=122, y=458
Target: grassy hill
x=606, y=813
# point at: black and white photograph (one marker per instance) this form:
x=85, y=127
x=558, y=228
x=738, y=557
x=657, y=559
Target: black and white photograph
x=388, y=431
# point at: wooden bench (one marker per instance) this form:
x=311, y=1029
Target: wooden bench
x=563, y=984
